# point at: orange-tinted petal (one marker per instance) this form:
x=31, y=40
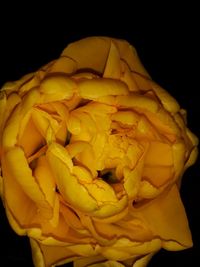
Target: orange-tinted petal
x=48, y=256
x=158, y=175
x=56, y=88
x=159, y=154
x=67, y=183
x=22, y=207
x=84, y=53
x=12, y=126
x=18, y=168
x=45, y=179
x=166, y=217
x=113, y=64
x=129, y=55
x=30, y=145
x=103, y=87
x=169, y=103
x=63, y=65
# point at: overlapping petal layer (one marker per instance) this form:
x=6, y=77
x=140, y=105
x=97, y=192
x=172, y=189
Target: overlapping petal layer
x=92, y=154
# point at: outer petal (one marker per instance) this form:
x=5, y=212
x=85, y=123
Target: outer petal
x=83, y=262
x=142, y=262
x=124, y=249
x=166, y=217
x=18, y=168
x=11, y=129
x=37, y=255
x=21, y=207
x=107, y=264
x=113, y=66
x=49, y=256
x=84, y=53
x=168, y=102
x=129, y=54
x=63, y=65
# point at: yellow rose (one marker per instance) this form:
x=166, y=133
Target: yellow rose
x=92, y=154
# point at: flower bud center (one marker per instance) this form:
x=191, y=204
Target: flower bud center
x=108, y=175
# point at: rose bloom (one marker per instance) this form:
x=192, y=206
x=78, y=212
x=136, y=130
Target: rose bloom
x=92, y=154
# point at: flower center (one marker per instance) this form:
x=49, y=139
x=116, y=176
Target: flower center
x=108, y=175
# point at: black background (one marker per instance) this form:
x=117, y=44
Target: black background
x=166, y=38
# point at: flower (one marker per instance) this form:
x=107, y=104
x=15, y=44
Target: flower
x=92, y=154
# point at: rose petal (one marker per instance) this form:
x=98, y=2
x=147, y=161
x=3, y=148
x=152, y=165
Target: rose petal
x=101, y=191
x=63, y=65
x=137, y=101
x=159, y=153
x=17, y=167
x=133, y=230
x=132, y=180
x=45, y=123
x=166, y=217
x=11, y=87
x=127, y=78
x=141, y=81
x=158, y=175
x=57, y=88
x=110, y=209
x=146, y=131
x=129, y=54
x=83, y=262
x=67, y=183
x=99, y=109
x=45, y=179
x=126, y=117
x=147, y=190
x=142, y=262
x=107, y=264
x=124, y=249
x=12, y=126
x=103, y=87
x=113, y=66
x=27, y=129
x=168, y=102
x=22, y=207
x=48, y=256
x=3, y=102
x=84, y=53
